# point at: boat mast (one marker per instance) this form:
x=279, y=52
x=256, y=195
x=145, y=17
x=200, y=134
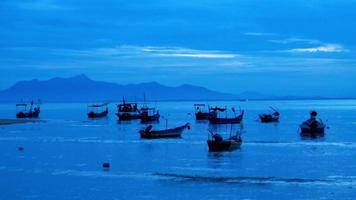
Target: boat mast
x=225, y=112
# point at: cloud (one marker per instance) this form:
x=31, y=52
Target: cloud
x=322, y=47
x=260, y=34
x=186, y=52
x=149, y=51
x=199, y=55
x=295, y=40
x=327, y=48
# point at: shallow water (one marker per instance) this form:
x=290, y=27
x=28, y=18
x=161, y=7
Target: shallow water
x=62, y=158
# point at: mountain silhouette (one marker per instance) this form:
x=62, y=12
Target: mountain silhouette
x=82, y=88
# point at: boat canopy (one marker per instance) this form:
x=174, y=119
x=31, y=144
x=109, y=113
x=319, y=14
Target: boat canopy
x=98, y=105
x=218, y=109
x=147, y=108
x=126, y=104
x=21, y=104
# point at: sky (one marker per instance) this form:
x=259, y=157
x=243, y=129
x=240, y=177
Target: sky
x=276, y=47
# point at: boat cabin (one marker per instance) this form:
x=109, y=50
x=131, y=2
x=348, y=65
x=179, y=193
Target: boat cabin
x=149, y=114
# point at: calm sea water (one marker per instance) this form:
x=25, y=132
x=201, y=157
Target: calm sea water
x=62, y=158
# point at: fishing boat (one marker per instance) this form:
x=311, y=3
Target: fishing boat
x=217, y=143
x=312, y=125
x=98, y=110
x=270, y=117
x=149, y=115
x=32, y=112
x=225, y=120
x=148, y=133
x=127, y=111
x=202, y=114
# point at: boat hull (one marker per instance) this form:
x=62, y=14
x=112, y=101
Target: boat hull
x=266, y=118
x=225, y=145
x=236, y=120
x=204, y=115
x=312, y=127
x=94, y=115
x=306, y=130
x=168, y=133
x=157, y=135
x=34, y=114
x=128, y=116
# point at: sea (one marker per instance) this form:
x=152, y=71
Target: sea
x=63, y=154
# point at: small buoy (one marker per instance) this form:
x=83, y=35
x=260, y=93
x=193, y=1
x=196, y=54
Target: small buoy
x=106, y=165
x=20, y=148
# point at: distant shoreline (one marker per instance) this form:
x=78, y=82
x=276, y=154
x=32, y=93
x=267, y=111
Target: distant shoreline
x=192, y=100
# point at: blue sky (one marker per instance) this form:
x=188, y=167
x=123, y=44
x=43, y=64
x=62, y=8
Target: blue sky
x=273, y=47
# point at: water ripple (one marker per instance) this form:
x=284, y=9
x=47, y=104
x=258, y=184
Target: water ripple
x=332, y=180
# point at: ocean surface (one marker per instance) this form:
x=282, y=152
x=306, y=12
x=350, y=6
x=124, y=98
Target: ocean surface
x=63, y=156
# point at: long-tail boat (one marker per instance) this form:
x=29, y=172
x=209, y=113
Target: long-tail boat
x=127, y=111
x=202, y=114
x=217, y=143
x=32, y=112
x=270, y=117
x=312, y=125
x=225, y=120
x=149, y=115
x=148, y=133
x=98, y=110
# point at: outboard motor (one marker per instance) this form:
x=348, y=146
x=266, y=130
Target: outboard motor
x=217, y=137
x=313, y=114
x=188, y=126
x=148, y=128
x=314, y=124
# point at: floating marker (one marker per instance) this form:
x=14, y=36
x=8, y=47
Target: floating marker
x=106, y=165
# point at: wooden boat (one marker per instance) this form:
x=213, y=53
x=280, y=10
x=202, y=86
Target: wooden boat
x=148, y=133
x=149, y=115
x=312, y=125
x=217, y=143
x=218, y=120
x=23, y=112
x=98, y=110
x=270, y=117
x=128, y=111
x=202, y=114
